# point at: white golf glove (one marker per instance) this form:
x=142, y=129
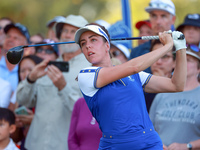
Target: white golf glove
x=178, y=42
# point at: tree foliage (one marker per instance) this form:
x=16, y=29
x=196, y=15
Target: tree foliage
x=36, y=13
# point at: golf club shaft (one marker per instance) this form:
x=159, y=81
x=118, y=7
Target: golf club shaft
x=116, y=39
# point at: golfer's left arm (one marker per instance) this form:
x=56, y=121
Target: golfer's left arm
x=159, y=84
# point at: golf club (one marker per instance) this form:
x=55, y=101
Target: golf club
x=15, y=54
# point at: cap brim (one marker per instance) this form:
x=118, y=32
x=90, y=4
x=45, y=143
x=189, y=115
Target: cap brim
x=192, y=54
x=7, y=28
x=93, y=28
x=150, y=9
x=124, y=50
x=180, y=27
x=79, y=33
x=140, y=23
x=50, y=23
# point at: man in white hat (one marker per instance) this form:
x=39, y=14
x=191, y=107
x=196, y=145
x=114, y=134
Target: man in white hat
x=162, y=17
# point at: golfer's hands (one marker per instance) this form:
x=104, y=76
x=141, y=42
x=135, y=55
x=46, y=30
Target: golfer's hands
x=23, y=120
x=177, y=146
x=56, y=76
x=166, y=39
x=178, y=43
x=38, y=71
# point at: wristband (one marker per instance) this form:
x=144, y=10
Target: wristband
x=29, y=81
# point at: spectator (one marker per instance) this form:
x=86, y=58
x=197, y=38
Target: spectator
x=84, y=133
x=173, y=113
x=65, y=32
x=23, y=121
x=53, y=93
x=119, y=51
x=50, y=25
x=6, y=92
x=49, y=52
x=165, y=65
x=7, y=127
x=37, y=38
x=191, y=28
x=25, y=66
x=162, y=67
x=162, y=17
x=144, y=27
x=119, y=30
x=16, y=35
x=3, y=22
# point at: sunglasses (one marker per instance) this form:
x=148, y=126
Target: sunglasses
x=116, y=53
x=193, y=47
x=47, y=51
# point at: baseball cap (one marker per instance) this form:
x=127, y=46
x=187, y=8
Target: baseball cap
x=23, y=29
x=141, y=23
x=193, y=50
x=74, y=20
x=165, y=5
x=53, y=47
x=94, y=28
x=122, y=48
x=190, y=20
x=120, y=30
x=54, y=20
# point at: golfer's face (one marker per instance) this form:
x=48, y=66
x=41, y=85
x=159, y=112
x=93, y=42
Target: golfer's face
x=93, y=47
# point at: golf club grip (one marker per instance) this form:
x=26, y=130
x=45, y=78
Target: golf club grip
x=150, y=37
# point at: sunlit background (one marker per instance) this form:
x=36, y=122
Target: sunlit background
x=36, y=13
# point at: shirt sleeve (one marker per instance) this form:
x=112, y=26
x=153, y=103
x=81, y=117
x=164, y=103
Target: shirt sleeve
x=87, y=80
x=144, y=78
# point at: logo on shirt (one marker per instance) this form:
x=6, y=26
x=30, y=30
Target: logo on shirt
x=131, y=79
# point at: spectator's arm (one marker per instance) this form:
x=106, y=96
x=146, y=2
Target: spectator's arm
x=26, y=93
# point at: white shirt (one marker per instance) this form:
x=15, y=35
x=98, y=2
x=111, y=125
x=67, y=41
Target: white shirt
x=11, y=146
x=5, y=93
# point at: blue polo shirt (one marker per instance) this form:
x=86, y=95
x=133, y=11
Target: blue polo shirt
x=6, y=74
x=118, y=107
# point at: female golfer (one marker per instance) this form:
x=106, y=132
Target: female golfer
x=114, y=94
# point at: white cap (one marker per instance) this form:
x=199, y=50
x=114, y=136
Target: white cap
x=192, y=54
x=123, y=49
x=165, y=5
x=94, y=28
x=55, y=19
x=77, y=21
